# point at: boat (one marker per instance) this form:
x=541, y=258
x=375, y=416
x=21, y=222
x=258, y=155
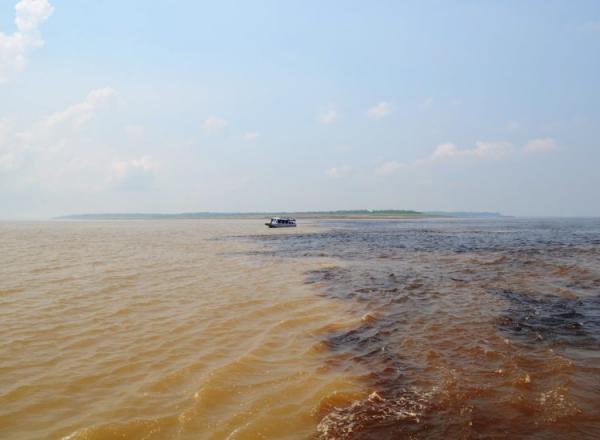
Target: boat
x=282, y=222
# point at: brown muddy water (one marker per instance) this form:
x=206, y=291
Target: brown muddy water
x=429, y=329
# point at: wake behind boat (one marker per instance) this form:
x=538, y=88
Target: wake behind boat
x=282, y=222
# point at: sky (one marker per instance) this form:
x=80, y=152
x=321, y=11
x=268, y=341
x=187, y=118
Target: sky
x=138, y=106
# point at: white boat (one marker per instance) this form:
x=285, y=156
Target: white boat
x=282, y=222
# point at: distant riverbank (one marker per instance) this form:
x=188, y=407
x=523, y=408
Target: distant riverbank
x=340, y=214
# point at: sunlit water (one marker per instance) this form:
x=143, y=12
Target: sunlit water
x=353, y=329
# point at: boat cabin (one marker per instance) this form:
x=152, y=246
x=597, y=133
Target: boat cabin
x=281, y=222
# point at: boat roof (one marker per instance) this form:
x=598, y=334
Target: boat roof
x=283, y=218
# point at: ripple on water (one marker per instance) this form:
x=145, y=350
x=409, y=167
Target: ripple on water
x=469, y=327
x=384, y=329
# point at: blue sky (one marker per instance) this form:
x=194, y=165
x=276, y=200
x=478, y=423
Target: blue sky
x=144, y=106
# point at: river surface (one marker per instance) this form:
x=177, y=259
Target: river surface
x=416, y=329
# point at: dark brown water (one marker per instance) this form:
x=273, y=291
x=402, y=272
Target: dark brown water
x=470, y=329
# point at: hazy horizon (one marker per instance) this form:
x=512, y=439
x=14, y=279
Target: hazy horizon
x=199, y=215
x=112, y=107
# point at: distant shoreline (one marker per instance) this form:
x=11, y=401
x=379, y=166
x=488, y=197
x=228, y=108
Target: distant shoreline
x=349, y=214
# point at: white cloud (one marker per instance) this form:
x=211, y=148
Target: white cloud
x=339, y=171
x=380, y=110
x=482, y=150
x=214, y=124
x=79, y=114
x=250, y=136
x=328, y=117
x=390, y=167
x=121, y=169
x=135, y=174
x=30, y=14
x=60, y=130
x=56, y=150
x=544, y=145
